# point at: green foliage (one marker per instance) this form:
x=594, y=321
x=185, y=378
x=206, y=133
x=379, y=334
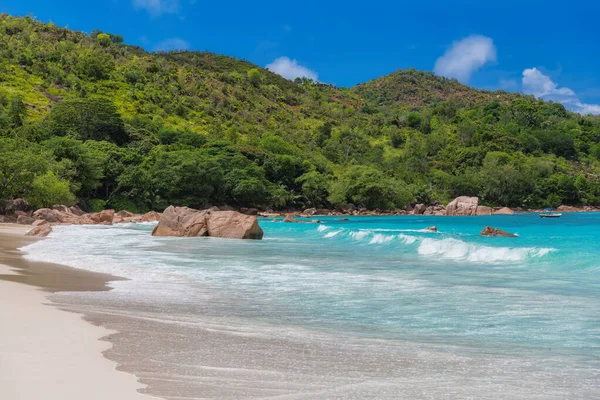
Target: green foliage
x=121, y=127
x=103, y=39
x=48, y=190
x=254, y=77
x=91, y=118
x=368, y=187
x=20, y=164
x=16, y=111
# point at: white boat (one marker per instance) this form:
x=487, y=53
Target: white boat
x=550, y=215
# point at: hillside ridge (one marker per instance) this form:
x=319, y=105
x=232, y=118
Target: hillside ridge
x=87, y=119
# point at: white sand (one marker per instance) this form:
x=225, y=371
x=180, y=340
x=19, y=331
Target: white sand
x=49, y=354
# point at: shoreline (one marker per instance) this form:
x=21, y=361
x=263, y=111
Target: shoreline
x=46, y=352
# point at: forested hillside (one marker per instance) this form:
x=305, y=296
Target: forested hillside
x=88, y=119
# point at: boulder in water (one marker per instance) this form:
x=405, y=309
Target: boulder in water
x=289, y=218
x=233, y=225
x=181, y=221
x=504, y=211
x=431, y=228
x=489, y=231
x=184, y=221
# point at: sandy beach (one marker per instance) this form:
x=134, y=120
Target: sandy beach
x=46, y=353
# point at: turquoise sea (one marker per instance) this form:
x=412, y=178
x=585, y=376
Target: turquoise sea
x=416, y=314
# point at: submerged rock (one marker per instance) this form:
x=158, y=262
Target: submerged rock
x=462, y=205
x=40, y=231
x=184, y=221
x=489, y=231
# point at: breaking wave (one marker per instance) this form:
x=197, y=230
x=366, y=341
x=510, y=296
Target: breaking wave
x=421, y=243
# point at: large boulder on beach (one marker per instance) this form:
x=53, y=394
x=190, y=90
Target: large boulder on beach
x=40, y=231
x=233, y=225
x=504, y=211
x=181, y=221
x=54, y=216
x=184, y=221
x=489, y=231
x=463, y=205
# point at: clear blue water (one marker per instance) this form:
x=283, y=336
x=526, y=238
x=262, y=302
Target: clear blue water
x=373, y=277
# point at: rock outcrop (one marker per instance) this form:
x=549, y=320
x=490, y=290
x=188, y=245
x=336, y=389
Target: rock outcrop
x=568, y=209
x=233, y=225
x=184, y=221
x=419, y=209
x=309, y=212
x=25, y=220
x=64, y=215
x=125, y=214
x=431, y=228
x=484, y=210
x=489, y=231
x=103, y=217
x=504, y=211
x=463, y=205
x=11, y=207
x=40, y=231
x=150, y=216
x=290, y=218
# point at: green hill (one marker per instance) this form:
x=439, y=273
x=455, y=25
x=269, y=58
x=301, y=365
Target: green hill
x=88, y=119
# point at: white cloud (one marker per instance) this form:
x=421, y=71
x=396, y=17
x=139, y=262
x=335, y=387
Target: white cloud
x=157, y=7
x=541, y=86
x=172, y=44
x=465, y=57
x=290, y=69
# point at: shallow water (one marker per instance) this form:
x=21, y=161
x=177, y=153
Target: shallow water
x=371, y=307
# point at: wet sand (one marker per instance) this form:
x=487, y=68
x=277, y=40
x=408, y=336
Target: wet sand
x=46, y=353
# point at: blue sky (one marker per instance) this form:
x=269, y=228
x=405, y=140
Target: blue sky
x=547, y=48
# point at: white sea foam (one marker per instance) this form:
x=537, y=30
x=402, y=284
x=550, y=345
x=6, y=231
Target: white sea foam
x=360, y=234
x=457, y=249
x=322, y=228
x=332, y=234
x=379, y=238
x=406, y=239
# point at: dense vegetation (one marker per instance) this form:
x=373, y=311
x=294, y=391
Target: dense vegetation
x=88, y=119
